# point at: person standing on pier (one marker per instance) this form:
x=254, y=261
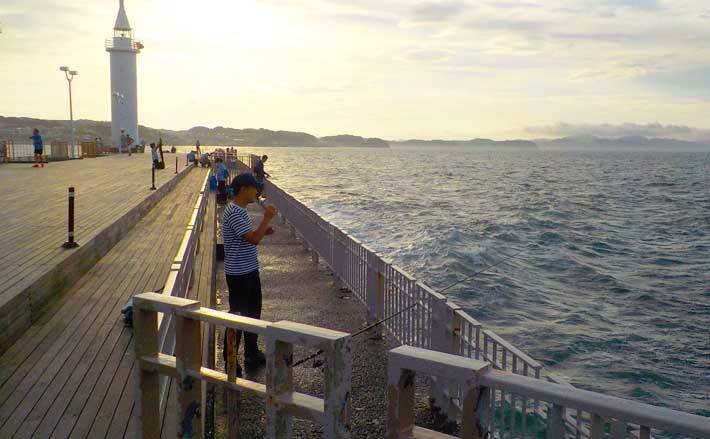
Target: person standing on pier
x=124, y=141
x=39, y=148
x=222, y=175
x=241, y=264
x=260, y=174
x=154, y=155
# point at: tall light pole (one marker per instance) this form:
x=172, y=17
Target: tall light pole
x=70, y=74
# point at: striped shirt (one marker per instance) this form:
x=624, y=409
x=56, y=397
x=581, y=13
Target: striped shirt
x=239, y=254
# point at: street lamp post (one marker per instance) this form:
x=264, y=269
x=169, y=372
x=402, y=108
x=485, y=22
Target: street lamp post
x=70, y=74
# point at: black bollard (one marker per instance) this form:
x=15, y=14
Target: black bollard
x=152, y=188
x=176, y=164
x=70, y=234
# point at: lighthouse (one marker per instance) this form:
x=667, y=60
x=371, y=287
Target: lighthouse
x=124, y=100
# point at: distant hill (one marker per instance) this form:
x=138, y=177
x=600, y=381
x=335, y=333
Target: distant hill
x=622, y=143
x=474, y=143
x=21, y=128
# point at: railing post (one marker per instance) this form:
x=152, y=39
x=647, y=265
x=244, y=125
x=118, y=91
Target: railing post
x=338, y=376
x=373, y=287
x=400, y=392
x=147, y=380
x=232, y=395
x=279, y=380
x=475, y=405
x=188, y=355
x=441, y=342
x=555, y=422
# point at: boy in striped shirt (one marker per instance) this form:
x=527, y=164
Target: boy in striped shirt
x=241, y=265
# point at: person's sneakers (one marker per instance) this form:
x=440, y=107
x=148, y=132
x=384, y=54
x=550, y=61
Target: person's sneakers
x=255, y=359
x=35, y=165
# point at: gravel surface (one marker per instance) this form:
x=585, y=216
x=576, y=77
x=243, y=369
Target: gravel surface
x=297, y=289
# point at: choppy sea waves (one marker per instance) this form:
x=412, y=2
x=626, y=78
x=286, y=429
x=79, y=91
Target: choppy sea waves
x=611, y=286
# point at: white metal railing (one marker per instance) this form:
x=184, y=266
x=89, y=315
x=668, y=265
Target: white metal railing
x=11, y=151
x=607, y=416
x=179, y=278
x=424, y=317
x=123, y=43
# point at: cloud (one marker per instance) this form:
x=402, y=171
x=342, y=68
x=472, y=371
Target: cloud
x=612, y=131
x=434, y=55
x=437, y=11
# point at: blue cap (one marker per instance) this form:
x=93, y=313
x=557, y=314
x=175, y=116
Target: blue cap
x=243, y=180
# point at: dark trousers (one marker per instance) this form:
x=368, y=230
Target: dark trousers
x=221, y=192
x=245, y=300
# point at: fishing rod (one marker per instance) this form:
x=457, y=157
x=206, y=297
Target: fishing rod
x=356, y=333
x=379, y=322
x=481, y=271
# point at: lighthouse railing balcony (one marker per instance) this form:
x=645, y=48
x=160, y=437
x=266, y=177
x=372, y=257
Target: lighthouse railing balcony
x=123, y=44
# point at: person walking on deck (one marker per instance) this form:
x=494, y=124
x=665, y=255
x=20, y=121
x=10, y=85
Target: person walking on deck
x=260, y=174
x=154, y=155
x=124, y=141
x=222, y=174
x=39, y=148
x=241, y=264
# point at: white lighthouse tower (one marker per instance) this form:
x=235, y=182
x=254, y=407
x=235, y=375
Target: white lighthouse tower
x=124, y=100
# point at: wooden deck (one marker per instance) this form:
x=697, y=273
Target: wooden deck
x=70, y=374
x=33, y=223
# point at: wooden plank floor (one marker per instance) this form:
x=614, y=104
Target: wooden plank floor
x=71, y=375
x=33, y=218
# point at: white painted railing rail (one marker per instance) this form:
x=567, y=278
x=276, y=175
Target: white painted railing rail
x=180, y=278
x=609, y=416
x=282, y=402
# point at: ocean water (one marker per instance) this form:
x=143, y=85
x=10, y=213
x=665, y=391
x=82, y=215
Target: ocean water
x=611, y=288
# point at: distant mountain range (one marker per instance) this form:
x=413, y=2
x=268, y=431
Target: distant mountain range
x=21, y=127
x=622, y=143
x=476, y=143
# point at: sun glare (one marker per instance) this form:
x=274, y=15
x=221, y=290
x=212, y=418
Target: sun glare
x=242, y=23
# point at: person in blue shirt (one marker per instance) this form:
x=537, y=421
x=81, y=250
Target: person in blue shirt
x=39, y=148
x=222, y=174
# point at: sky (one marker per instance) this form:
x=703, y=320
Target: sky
x=395, y=69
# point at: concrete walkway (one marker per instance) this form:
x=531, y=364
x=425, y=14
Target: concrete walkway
x=297, y=289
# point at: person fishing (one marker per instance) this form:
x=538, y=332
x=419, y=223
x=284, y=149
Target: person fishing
x=222, y=174
x=260, y=173
x=154, y=155
x=241, y=264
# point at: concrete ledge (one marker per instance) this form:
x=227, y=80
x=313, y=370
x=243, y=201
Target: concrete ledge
x=20, y=309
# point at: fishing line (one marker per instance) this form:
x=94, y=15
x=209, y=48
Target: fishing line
x=481, y=271
x=379, y=322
